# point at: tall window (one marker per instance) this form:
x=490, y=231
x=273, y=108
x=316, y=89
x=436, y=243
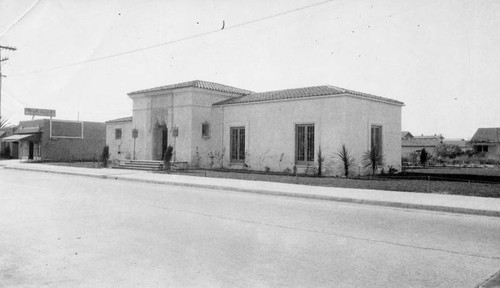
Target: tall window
x=118, y=133
x=237, y=144
x=304, y=144
x=376, y=138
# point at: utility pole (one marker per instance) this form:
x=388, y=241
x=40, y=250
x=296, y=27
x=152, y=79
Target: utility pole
x=1, y=75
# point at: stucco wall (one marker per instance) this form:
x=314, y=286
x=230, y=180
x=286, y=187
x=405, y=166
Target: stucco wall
x=361, y=115
x=270, y=130
x=123, y=148
x=191, y=107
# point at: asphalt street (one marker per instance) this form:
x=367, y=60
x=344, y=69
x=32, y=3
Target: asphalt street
x=70, y=231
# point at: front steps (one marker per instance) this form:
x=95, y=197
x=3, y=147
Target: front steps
x=149, y=165
x=144, y=165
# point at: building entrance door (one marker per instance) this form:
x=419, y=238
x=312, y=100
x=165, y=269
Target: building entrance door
x=164, y=141
x=30, y=150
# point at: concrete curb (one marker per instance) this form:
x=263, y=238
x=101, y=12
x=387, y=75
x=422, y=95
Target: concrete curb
x=436, y=208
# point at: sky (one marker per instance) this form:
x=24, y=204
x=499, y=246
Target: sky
x=81, y=57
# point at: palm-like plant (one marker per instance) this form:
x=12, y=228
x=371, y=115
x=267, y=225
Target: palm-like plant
x=346, y=159
x=373, y=159
x=3, y=122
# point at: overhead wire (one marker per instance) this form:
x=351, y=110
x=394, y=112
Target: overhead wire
x=174, y=41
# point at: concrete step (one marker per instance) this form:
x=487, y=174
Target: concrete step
x=143, y=168
x=146, y=161
x=142, y=164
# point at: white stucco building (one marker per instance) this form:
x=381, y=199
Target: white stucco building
x=211, y=124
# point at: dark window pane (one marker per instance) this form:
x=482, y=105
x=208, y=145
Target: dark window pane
x=300, y=143
x=310, y=143
x=118, y=133
x=242, y=144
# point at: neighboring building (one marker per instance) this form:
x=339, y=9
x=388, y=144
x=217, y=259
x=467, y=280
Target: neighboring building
x=405, y=135
x=416, y=145
x=119, y=138
x=411, y=144
x=434, y=137
x=461, y=143
x=7, y=147
x=487, y=140
x=278, y=129
x=58, y=140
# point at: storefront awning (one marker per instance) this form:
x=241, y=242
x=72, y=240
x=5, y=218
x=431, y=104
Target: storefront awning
x=19, y=137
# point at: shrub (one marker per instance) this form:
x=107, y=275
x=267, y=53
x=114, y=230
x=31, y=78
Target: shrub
x=320, y=160
x=392, y=170
x=167, y=157
x=448, y=151
x=105, y=156
x=373, y=159
x=346, y=159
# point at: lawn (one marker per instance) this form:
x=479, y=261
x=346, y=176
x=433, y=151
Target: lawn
x=487, y=171
x=375, y=183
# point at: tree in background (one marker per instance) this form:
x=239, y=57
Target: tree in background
x=448, y=151
x=346, y=159
x=373, y=159
x=423, y=157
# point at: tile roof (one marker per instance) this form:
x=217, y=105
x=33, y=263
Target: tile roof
x=486, y=135
x=303, y=93
x=460, y=143
x=197, y=84
x=420, y=142
x=124, y=119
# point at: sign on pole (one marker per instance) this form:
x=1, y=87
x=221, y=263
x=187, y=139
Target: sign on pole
x=40, y=112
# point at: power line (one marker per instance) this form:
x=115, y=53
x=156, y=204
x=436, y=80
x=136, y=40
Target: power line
x=175, y=41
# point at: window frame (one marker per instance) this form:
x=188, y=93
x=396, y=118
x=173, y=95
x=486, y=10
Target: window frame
x=308, y=144
x=119, y=135
x=237, y=145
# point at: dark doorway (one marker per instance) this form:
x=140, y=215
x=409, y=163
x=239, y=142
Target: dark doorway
x=30, y=151
x=164, y=141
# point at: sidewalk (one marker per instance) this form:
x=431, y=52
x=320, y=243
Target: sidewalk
x=423, y=201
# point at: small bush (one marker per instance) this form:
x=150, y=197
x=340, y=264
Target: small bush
x=105, y=156
x=373, y=159
x=346, y=159
x=320, y=160
x=167, y=157
x=392, y=170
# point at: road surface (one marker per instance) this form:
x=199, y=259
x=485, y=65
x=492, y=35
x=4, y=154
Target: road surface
x=71, y=231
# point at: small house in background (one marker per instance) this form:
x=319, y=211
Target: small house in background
x=405, y=135
x=57, y=140
x=487, y=140
x=411, y=144
x=461, y=143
